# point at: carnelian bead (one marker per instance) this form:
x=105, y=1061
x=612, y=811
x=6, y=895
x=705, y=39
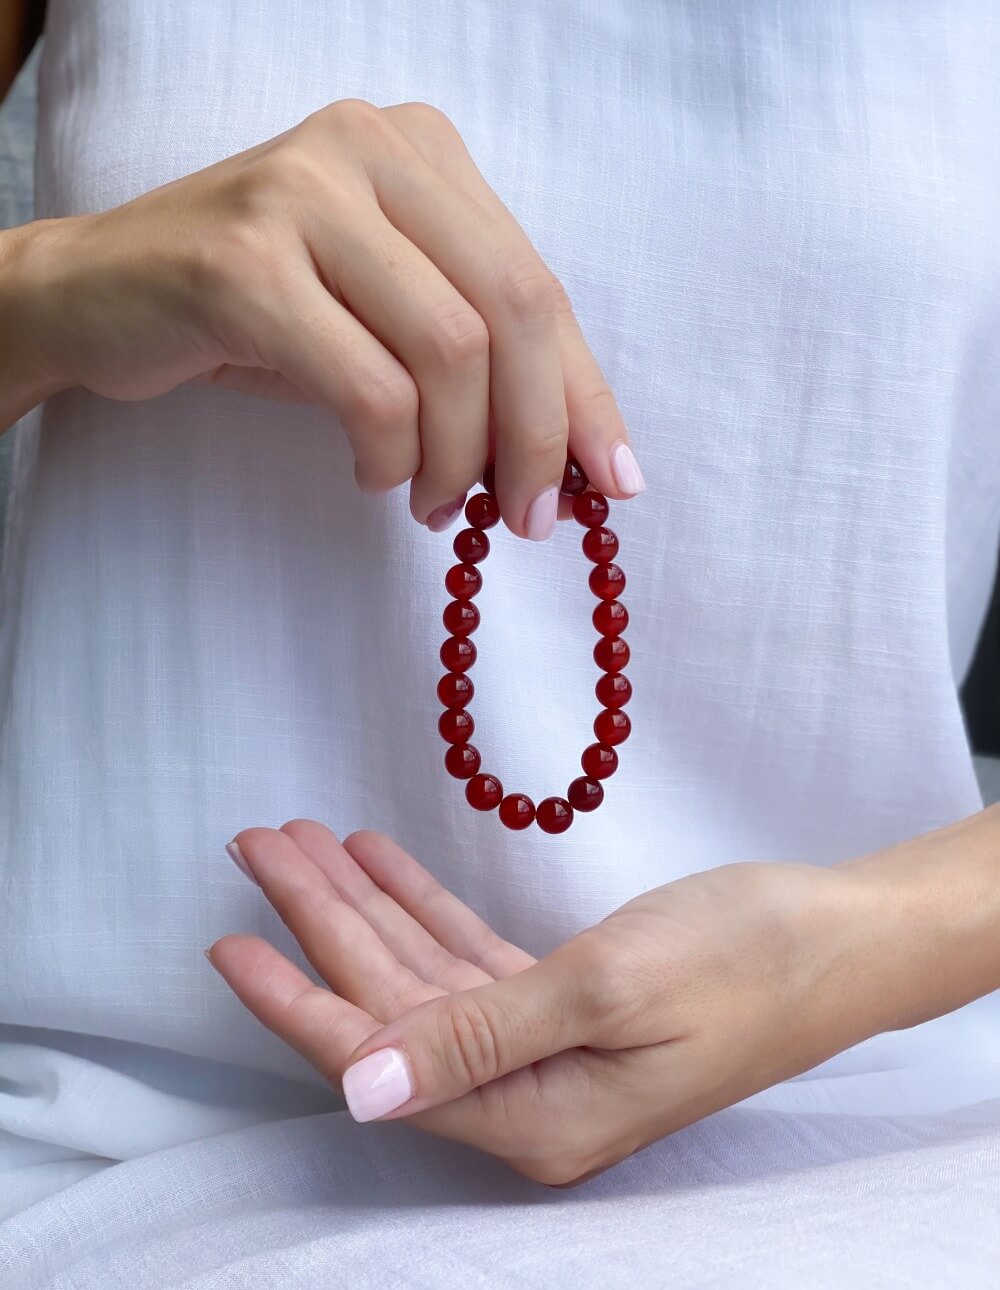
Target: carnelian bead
x=517, y=811
x=612, y=727
x=458, y=654
x=455, y=690
x=490, y=478
x=611, y=653
x=461, y=761
x=607, y=581
x=484, y=792
x=455, y=726
x=574, y=481
x=585, y=794
x=471, y=546
x=554, y=815
x=613, y=690
x=600, y=545
x=599, y=761
x=590, y=509
x=610, y=618
x=463, y=581
x=460, y=617
x=482, y=510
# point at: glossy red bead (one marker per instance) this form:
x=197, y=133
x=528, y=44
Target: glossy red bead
x=599, y=761
x=460, y=617
x=458, y=654
x=490, y=478
x=461, y=761
x=607, y=581
x=590, y=509
x=554, y=815
x=600, y=545
x=472, y=546
x=455, y=726
x=610, y=618
x=611, y=653
x=484, y=792
x=613, y=690
x=585, y=794
x=482, y=510
x=517, y=811
x=574, y=481
x=455, y=690
x=612, y=727
x=463, y=581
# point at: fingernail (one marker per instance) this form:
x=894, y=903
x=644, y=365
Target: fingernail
x=377, y=1084
x=240, y=861
x=540, y=522
x=444, y=517
x=626, y=470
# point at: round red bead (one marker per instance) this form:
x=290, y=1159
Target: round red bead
x=517, y=811
x=490, y=478
x=455, y=726
x=471, y=546
x=460, y=617
x=461, y=761
x=574, y=481
x=612, y=727
x=484, y=792
x=590, y=509
x=613, y=690
x=599, y=761
x=585, y=794
x=482, y=510
x=554, y=815
x=611, y=653
x=610, y=618
x=600, y=545
x=458, y=654
x=455, y=690
x=607, y=581
x=463, y=581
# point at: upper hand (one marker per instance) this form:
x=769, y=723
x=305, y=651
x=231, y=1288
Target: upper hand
x=684, y=1001
x=358, y=261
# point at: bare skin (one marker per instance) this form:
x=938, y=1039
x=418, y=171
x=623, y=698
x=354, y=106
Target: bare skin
x=684, y=1001
x=359, y=262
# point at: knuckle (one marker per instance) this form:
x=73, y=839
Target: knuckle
x=456, y=336
x=546, y=450
x=469, y=1044
x=561, y=300
x=427, y=118
x=386, y=404
x=561, y=1170
x=527, y=290
x=348, y=115
x=605, y=989
x=597, y=400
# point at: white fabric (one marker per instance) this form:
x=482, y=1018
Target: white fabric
x=778, y=225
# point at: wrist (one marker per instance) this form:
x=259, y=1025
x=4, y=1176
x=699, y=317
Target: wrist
x=27, y=376
x=933, y=909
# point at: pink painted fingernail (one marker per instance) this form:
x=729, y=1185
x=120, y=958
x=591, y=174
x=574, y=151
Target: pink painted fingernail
x=626, y=470
x=540, y=522
x=444, y=517
x=240, y=860
x=377, y=1084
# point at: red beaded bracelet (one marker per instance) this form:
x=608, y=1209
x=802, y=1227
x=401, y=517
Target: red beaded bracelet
x=611, y=654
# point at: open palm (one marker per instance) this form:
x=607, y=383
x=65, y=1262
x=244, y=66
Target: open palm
x=685, y=1000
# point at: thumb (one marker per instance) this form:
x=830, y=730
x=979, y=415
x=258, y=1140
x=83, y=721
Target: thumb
x=444, y=1048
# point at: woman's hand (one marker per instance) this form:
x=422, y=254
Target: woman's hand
x=359, y=261
x=684, y=1001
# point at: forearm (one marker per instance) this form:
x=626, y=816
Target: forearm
x=25, y=379
x=934, y=903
